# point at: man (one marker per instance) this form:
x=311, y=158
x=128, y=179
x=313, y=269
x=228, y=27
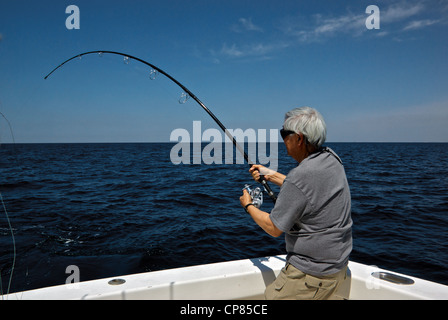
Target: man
x=313, y=209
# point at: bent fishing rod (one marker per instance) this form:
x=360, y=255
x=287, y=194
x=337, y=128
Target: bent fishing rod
x=263, y=181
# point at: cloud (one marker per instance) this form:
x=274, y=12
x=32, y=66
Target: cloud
x=395, y=19
x=245, y=25
x=349, y=23
x=419, y=24
x=248, y=50
x=259, y=49
x=320, y=27
x=231, y=51
x=241, y=48
x=400, y=11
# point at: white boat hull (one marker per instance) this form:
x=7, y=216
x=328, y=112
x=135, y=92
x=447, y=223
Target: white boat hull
x=233, y=280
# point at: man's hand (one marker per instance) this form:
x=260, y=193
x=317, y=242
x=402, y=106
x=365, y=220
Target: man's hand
x=269, y=175
x=245, y=199
x=257, y=169
x=260, y=217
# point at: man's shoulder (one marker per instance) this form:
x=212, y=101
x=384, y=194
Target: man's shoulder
x=314, y=167
x=299, y=174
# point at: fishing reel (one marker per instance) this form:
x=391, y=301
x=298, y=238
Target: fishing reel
x=256, y=195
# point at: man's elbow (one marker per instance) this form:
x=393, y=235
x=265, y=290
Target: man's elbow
x=276, y=233
x=270, y=227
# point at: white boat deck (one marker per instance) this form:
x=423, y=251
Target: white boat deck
x=236, y=280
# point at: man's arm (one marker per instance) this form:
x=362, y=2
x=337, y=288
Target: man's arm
x=260, y=217
x=263, y=219
x=269, y=175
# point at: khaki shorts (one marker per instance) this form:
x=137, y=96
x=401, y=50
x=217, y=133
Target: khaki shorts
x=293, y=284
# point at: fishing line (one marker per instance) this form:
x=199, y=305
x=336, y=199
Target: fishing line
x=10, y=128
x=13, y=245
x=187, y=94
x=9, y=224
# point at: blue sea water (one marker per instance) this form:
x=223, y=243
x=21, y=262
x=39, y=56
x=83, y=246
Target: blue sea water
x=114, y=209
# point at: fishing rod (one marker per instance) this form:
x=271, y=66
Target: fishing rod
x=263, y=181
x=14, y=254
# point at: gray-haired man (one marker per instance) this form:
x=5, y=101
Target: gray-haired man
x=313, y=209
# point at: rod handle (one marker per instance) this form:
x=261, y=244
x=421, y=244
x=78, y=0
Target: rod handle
x=267, y=188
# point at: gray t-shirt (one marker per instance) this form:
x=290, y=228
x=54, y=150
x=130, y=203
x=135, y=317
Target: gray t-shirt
x=314, y=210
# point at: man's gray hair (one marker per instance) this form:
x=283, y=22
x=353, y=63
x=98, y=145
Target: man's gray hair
x=309, y=122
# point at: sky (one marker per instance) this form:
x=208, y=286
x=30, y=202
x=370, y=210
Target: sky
x=249, y=62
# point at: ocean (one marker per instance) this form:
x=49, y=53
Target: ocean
x=121, y=208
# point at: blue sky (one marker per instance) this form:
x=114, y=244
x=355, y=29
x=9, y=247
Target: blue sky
x=248, y=61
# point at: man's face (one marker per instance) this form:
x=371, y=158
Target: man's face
x=291, y=144
x=295, y=146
